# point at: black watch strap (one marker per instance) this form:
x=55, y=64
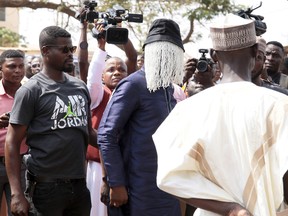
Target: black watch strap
x=83, y=45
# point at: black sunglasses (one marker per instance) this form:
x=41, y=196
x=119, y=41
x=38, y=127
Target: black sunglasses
x=64, y=49
x=35, y=65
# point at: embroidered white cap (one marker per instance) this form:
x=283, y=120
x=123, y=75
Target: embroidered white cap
x=233, y=33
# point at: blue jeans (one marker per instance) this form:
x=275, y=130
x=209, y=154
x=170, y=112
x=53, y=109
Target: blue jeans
x=59, y=198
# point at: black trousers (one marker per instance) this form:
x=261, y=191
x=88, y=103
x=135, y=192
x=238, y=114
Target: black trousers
x=58, y=198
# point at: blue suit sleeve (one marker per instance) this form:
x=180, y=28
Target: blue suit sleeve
x=120, y=108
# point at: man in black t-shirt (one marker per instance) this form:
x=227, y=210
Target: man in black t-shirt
x=53, y=110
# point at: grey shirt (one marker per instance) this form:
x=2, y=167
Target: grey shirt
x=56, y=114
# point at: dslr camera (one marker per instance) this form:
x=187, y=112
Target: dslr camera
x=203, y=62
x=260, y=26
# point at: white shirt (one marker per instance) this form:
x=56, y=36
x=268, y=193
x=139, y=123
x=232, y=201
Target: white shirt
x=94, y=77
x=226, y=143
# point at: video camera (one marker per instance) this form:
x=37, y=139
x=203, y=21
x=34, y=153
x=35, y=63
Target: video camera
x=90, y=13
x=260, y=26
x=203, y=62
x=113, y=16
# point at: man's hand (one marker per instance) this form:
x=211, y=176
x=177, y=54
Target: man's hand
x=219, y=207
x=4, y=120
x=118, y=196
x=100, y=29
x=104, y=194
x=189, y=69
x=238, y=210
x=19, y=205
x=80, y=14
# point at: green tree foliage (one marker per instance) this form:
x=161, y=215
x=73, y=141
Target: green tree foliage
x=9, y=38
x=185, y=12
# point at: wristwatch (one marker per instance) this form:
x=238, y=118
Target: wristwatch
x=83, y=45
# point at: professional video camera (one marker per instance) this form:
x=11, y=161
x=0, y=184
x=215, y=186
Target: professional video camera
x=259, y=25
x=113, y=34
x=90, y=12
x=111, y=18
x=203, y=62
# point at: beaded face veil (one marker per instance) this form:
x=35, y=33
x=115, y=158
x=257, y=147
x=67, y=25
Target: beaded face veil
x=163, y=54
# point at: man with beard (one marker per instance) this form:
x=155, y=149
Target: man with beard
x=258, y=69
x=274, y=57
x=53, y=110
x=137, y=107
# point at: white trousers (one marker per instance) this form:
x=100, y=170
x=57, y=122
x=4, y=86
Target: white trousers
x=94, y=182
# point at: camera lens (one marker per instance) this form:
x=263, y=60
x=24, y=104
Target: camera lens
x=202, y=66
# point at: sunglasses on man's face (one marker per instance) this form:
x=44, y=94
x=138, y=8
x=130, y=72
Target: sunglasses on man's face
x=35, y=65
x=64, y=49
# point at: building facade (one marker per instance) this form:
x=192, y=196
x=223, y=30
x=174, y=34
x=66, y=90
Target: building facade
x=9, y=18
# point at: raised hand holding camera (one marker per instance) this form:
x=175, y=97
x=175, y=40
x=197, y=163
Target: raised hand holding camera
x=111, y=18
x=203, y=62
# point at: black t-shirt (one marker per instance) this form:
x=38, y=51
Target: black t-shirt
x=56, y=114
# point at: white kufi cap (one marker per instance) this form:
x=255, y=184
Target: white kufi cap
x=233, y=33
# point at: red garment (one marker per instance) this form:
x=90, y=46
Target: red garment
x=92, y=152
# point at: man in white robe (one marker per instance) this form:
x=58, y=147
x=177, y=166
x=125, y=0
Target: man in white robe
x=225, y=149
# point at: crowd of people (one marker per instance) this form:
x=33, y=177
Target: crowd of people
x=152, y=134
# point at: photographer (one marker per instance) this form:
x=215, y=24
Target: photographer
x=204, y=76
x=201, y=74
x=101, y=77
x=189, y=70
x=131, y=53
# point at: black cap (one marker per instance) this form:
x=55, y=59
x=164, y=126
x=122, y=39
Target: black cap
x=164, y=30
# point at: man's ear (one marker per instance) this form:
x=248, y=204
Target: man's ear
x=44, y=50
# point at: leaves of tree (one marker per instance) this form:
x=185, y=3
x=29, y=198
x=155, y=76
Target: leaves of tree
x=185, y=12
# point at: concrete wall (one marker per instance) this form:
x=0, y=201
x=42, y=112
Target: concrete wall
x=11, y=19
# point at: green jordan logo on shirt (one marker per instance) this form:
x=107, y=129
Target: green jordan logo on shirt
x=69, y=111
x=72, y=115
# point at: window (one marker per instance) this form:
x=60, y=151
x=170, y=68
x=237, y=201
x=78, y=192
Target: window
x=2, y=14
